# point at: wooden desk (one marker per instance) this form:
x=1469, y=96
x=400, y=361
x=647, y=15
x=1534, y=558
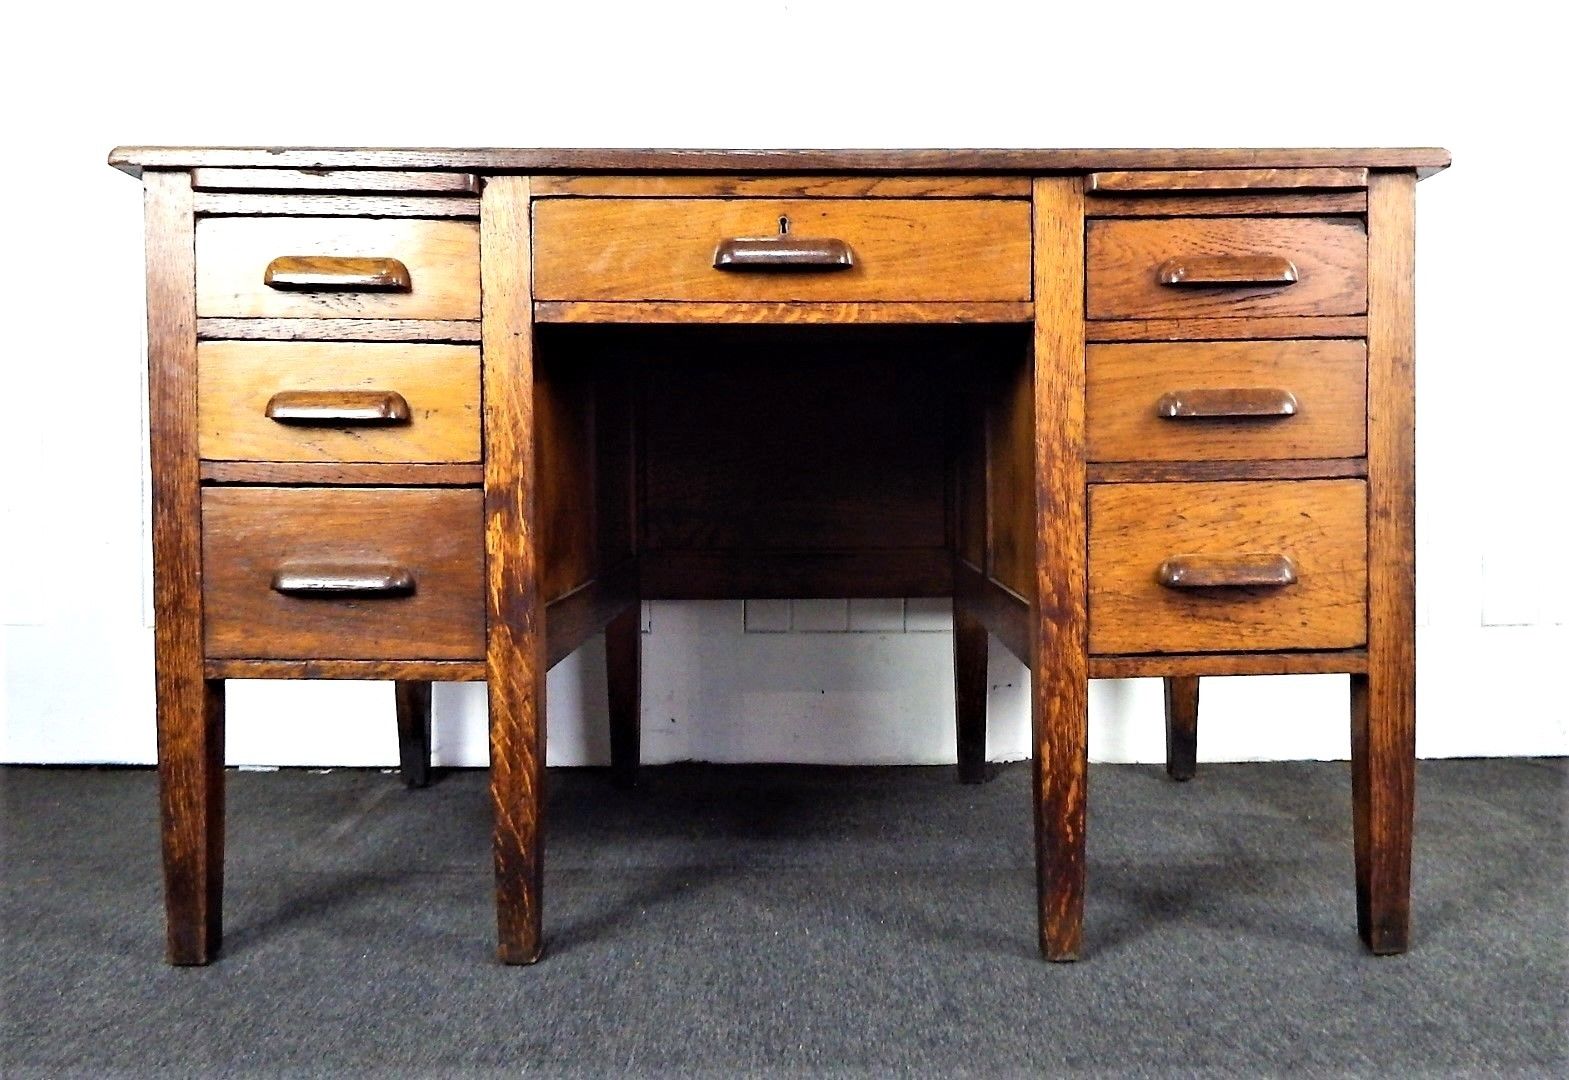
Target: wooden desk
x=445, y=414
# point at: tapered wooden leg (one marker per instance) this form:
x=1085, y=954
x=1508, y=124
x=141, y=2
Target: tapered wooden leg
x=1182, y=726
x=515, y=660
x=969, y=693
x=413, y=698
x=1383, y=701
x=190, y=784
x=623, y=646
x=1059, y=634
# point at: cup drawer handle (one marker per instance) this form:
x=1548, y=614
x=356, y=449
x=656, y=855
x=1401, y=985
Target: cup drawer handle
x=337, y=273
x=1226, y=403
x=1251, y=570
x=783, y=252
x=332, y=580
x=358, y=407
x=1234, y=271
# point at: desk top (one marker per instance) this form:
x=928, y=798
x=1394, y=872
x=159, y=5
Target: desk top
x=133, y=159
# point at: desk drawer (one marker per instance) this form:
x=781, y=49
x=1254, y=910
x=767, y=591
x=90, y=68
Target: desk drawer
x=326, y=401
x=833, y=250
x=1225, y=267
x=1227, y=400
x=343, y=574
x=1167, y=562
x=336, y=268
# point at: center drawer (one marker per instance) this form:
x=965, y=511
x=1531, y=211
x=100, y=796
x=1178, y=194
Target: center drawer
x=779, y=250
x=343, y=573
x=1229, y=566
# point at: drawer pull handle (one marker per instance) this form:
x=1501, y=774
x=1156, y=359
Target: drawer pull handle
x=1234, y=271
x=783, y=252
x=367, y=407
x=334, y=580
x=1226, y=403
x=337, y=273
x=1227, y=571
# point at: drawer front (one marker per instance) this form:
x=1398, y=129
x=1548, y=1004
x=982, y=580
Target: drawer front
x=897, y=249
x=1226, y=266
x=336, y=268
x=1153, y=547
x=325, y=401
x=1227, y=400
x=343, y=574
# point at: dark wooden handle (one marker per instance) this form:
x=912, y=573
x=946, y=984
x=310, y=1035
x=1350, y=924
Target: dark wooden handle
x=337, y=273
x=1222, y=403
x=338, y=407
x=1248, y=570
x=1227, y=270
x=783, y=252
x=337, y=579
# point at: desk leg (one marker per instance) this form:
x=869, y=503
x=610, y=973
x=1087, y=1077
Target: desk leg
x=1059, y=625
x=515, y=661
x=1383, y=701
x=969, y=693
x=623, y=645
x=190, y=786
x=1182, y=726
x=413, y=699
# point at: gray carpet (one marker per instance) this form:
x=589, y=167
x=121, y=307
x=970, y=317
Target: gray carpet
x=790, y=921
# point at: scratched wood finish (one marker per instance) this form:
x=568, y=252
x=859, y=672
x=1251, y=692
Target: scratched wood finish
x=677, y=185
x=663, y=249
x=623, y=675
x=190, y=707
x=133, y=159
x=411, y=699
x=1059, y=656
x=232, y=254
x=515, y=657
x=1125, y=255
x=250, y=533
x=654, y=313
x=1321, y=525
x=1299, y=662
x=251, y=204
x=1267, y=328
x=1328, y=380
x=1181, y=694
x=346, y=180
x=390, y=474
x=338, y=330
x=439, y=382
x=1167, y=206
x=364, y=670
x=1383, y=702
x=1184, y=180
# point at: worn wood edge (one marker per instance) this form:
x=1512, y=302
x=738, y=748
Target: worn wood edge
x=133, y=159
x=573, y=618
x=642, y=312
x=378, y=670
x=452, y=331
x=727, y=575
x=697, y=185
x=1187, y=181
x=1004, y=613
x=268, y=204
x=1334, y=662
x=390, y=474
x=1227, y=204
x=347, y=181
x=1117, y=472
x=1223, y=329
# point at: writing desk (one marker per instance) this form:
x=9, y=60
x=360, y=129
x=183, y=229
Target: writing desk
x=444, y=414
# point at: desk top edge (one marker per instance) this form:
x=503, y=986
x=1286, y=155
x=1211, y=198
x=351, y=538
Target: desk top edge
x=133, y=159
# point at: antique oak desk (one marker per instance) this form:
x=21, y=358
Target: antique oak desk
x=444, y=414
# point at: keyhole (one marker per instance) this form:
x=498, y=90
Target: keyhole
x=784, y=225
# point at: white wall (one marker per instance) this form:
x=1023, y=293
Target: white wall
x=1492, y=375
